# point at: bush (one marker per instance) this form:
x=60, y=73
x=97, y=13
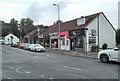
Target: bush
x=94, y=48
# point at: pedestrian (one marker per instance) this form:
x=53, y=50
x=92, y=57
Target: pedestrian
x=73, y=45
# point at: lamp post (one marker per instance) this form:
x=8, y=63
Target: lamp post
x=19, y=28
x=58, y=22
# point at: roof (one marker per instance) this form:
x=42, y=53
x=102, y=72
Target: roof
x=71, y=25
x=32, y=33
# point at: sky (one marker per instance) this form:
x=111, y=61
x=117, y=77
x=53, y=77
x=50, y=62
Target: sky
x=43, y=11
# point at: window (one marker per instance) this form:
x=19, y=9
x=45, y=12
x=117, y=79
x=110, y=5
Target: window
x=93, y=32
x=92, y=41
x=63, y=40
x=79, y=42
x=67, y=42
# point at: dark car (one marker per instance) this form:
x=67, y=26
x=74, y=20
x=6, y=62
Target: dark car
x=14, y=45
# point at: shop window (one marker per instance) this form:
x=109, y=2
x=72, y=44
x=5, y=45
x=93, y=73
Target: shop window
x=67, y=42
x=92, y=41
x=54, y=43
x=79, y=42
x=93, y=32
x=63, y=40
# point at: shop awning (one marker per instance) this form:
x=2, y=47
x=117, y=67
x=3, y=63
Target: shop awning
x=65, y=33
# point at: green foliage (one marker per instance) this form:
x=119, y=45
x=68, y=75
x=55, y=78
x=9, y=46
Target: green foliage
x=14, y=27
x=94, y=48
x=26, y=26
x=5, y=29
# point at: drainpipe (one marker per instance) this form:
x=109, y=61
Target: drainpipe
x=98, y=30
x=85, y=32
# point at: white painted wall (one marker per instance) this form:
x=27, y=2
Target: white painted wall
x=66, y=47
x=91, y=26
x=106, y=32
x=15, y=39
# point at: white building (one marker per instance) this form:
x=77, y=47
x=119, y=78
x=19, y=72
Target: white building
x=9, y=39
x=82, y=33
x=102, y=31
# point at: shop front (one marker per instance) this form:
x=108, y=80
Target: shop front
x=54, y=40
x=65, y=41
x=78, y=40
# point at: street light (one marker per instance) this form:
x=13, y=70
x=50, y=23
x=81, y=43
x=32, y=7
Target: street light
x=58, y=20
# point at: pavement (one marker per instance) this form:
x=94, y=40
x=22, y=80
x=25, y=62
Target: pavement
x=73, y=53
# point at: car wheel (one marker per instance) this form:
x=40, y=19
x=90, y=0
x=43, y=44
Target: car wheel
x=104, y=58
x=35, y=49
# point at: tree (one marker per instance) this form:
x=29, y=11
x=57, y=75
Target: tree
x=5, y=29
x=118, y=37
x=14, y=27
x=26, y=26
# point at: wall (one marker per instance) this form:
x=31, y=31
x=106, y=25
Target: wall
x=15, y=39
x=91, y=26
x=66, y=46
x=107, y=33
x=54, y=36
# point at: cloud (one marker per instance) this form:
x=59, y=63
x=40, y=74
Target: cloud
x=38, y=11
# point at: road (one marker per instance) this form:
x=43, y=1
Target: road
x=23, y=64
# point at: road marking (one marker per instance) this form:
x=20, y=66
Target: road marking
x=19, y=71
x=11, y=67
x=22, y=71
x=77, y=69
x=64, y=66
x=50, y=78
x=71, y=68
x=42, y=76
x=27, y=71
x=48, y=55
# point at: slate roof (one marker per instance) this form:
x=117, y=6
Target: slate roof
x=32, y=33
x=71, y=25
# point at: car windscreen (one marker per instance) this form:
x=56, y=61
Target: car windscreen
x=37, y=46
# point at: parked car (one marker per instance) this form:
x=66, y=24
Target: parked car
x=37, y=48
x=26, y=46
x=21, y=45
x=109, y=55
x=14, y=45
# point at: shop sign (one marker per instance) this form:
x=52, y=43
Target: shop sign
x=54, y=35
x=40, y=36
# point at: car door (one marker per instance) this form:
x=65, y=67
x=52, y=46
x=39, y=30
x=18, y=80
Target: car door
x=114, y=54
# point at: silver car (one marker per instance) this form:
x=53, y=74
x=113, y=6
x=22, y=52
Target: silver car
x=37, y=48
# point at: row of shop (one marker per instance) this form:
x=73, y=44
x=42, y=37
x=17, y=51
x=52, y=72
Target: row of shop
x=78, y=34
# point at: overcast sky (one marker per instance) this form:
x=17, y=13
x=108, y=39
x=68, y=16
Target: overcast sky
x=43, y=11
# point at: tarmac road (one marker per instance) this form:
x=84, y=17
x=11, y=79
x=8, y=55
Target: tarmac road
x=23, y=64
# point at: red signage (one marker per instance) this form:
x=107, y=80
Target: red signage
x=65, y=33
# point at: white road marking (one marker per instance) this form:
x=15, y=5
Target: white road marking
x=10, y=67
x=71, y=68
x=27, y=71
x=42, y=75
x=50, y=78
x=19, y=71
x=22, y=71
x=64, y=66
x=48, y=55
x=77, y=69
